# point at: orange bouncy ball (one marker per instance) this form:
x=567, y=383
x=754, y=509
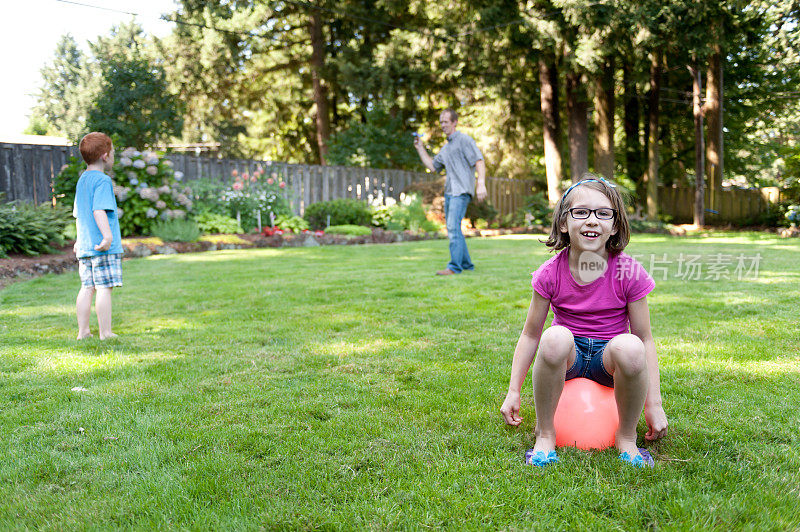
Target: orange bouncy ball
x=586, y=415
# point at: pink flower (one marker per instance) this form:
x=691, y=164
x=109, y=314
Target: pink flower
x=234, y=173
x=237, y=186
x=319, y=233
x=245, y=176
x=270, y=181
x=282, y=185
x=254, y=178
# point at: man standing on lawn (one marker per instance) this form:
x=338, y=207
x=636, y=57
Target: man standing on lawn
x=460, y=157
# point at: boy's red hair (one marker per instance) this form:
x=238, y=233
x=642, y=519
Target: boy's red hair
x=94, y=145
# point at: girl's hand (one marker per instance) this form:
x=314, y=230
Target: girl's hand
x=656, y=420
x=510, y=409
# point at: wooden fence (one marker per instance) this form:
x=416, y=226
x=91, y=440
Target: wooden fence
x=27, y=172
x=722, y=206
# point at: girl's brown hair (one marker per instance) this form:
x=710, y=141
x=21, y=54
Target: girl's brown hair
x=559, y=239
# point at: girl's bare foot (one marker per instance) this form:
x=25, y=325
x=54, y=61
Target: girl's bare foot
x=108, y=336
x=86, y=335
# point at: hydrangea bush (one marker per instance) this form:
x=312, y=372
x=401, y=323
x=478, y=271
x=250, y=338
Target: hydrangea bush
x=147, y=188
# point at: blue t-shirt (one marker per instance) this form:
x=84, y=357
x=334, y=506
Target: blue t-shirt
x=95, y=192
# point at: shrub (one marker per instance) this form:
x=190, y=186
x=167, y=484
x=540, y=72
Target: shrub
x=340, y=211
x=406, y=215
x=382, y=216
x=480, y=210
x=207, y=196
x=64, y=184
x=409, y=215
x=253, y=193
x=292, y=224
x=349, y=230
x=146, y=187
x=212, y=223
x=177, y=230
x=793, y=215
x=775, y=215
x=31, y=229
x=537, y=208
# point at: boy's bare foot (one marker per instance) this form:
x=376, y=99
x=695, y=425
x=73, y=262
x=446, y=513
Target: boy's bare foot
x=82, y=336
x=108, y=336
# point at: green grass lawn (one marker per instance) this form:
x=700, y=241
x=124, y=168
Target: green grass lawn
x=347, y=387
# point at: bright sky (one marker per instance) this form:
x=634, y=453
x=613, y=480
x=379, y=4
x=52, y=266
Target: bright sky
x=30, y=29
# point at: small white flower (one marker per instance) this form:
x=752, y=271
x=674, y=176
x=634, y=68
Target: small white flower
x=152, y=170
x=134, y=181
x=151, y=213
x=161, y=205
x=168, y=162
x=125, y=161
x=138, y=163
x=178, y=175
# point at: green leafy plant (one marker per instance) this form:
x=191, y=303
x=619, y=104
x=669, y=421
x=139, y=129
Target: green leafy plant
x=177, y=230
x=338, y=212
x=348, y=230
x=213, y=223
x=31, y=229
x=292, y=224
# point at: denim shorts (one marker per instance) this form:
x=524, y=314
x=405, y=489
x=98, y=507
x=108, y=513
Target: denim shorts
x=589, y=361
x=101, y=271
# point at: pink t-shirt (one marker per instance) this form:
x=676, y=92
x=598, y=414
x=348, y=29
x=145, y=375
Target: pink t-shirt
x=599, y=309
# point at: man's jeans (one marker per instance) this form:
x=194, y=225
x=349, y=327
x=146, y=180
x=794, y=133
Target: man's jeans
x=455, y=207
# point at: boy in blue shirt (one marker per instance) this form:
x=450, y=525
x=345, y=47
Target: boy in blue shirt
x=99, y=243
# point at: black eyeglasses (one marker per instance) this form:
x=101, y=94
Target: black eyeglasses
x=603, y=213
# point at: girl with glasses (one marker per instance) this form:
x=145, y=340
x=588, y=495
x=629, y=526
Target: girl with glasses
x=601, y=325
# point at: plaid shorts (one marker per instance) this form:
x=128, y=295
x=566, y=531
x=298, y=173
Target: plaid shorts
x=101, y=271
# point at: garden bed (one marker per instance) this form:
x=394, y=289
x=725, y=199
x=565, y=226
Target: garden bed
x=22, y=267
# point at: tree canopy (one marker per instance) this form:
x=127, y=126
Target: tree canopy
x=604, y=86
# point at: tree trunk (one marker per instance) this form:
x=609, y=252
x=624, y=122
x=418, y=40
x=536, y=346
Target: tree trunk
x=713, y=113
x=651, y=178
x=548, y=78
x=604, y=121
x=633, y=143
x=577, y=110
x=320, y=89
x=699, y=148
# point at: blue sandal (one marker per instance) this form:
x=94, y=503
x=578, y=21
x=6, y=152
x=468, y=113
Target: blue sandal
x=644, y=459
x=539, y=458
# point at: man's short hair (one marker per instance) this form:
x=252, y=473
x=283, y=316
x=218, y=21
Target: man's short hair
x=94, y=145
x=451, y=113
